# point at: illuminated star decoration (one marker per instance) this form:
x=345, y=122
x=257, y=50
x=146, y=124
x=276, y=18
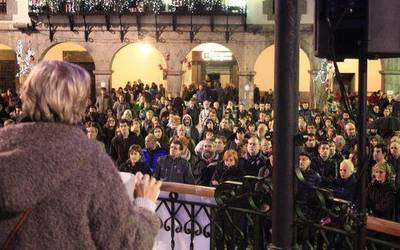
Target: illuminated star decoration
x=25, y=59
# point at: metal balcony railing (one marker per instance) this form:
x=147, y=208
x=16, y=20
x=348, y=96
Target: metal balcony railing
x=110, y=7
x=239, y=214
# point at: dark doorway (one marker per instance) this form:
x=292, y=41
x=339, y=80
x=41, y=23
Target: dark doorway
x=348, y=81
x=83, y=59
x=8, y=70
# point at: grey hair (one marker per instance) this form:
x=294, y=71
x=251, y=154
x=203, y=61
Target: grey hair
x=56, y=91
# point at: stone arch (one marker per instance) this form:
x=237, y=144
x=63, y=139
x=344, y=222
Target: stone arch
x=349, y=71
x=8, y=68
x=155, y=70
x=265, y=66
x=73, y=53
x=200, y=61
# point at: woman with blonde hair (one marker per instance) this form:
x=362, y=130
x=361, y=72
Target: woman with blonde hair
x=344, y=186
x=381, y=191
x=62, y=186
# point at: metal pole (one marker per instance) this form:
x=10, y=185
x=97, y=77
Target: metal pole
x=286, y=91
x=362, y=151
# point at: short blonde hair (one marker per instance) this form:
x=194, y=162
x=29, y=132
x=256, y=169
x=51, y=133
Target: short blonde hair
x=348, y=164
x=231, y=153
x=56, y=91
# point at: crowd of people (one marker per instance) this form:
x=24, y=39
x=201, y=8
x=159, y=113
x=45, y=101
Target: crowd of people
x=205, y=137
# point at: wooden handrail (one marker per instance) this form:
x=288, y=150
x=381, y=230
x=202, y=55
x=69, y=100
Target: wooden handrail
x=383, y=226
x=188, y=189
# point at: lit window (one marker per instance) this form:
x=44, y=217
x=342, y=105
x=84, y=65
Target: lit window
x=3, y=6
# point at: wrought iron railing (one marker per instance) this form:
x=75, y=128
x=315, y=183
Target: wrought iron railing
x=239, y=214
x=109, y=7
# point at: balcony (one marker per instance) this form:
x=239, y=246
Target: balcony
x=190, y=16
x=156, y=7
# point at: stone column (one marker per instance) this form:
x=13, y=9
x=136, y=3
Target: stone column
x=21, y=19
x=391, y=81
x=103, y=79
x=314, y=89
x=391, y=75
x=174, y=82
x=246, y=88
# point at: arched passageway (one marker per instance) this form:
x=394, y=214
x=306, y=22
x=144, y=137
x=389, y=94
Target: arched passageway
x=210, y=61
x=8, y=68
x=138, y=61
x=73, y=53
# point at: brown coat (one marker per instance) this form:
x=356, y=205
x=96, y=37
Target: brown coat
x=78, y=199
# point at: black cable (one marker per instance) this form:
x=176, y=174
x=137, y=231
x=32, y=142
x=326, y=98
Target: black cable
x=332, y=28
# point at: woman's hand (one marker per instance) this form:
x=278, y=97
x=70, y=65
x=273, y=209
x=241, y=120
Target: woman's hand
x=147, y=187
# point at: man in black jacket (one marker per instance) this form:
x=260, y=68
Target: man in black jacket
x=173, y=167
x=253, y=160
x=121, y=142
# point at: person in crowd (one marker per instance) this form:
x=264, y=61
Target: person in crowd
x=152, y=152
x=120, y=143
x=311, y=145
x=83, y=194
x=350, y=135
x=135, y=164
x=103, y=101
x=162, y=139
x=253, y=160
x=340, y=144
x=92, y=131
x=173, y=167
x=201, y=94
x=204, y=167
x=334, y=154
x=266, y=147
x=147, y=124
x=344, y=186
x=181, y=132
x=227, y=169
x=239, y=140
x=220, y=145
x=225, y=129
x=191, y=130
x=8, y=122
x=306, y=199
x=120, y=106
x=381, y=192
x=193, y=110
x=137, y=132
x=305, y=111
x=203, y=116
x=109, y=130
x=93, y=115
x=325, y=166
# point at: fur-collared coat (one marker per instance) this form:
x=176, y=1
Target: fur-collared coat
x=78, y=199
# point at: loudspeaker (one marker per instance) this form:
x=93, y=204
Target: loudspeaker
x=342, y=27
x=384, y=28
x=339, y=28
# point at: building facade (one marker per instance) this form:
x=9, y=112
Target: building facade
x=245, y=28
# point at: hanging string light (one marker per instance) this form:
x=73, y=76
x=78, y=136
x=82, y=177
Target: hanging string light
x=121, y=6
x=325, y=73
x=25, y=58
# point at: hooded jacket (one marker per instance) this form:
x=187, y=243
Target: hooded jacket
x=77, y=197
x=191, y=130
